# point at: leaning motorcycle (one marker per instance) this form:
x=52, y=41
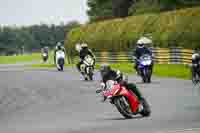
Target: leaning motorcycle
x=60, y=60
x=87, y=68
x=145, y=67
x=125, y=100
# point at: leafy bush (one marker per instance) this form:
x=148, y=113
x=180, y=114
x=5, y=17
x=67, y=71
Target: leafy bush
x=175, y=28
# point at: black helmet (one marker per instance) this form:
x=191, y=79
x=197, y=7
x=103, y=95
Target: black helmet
x=104, y=69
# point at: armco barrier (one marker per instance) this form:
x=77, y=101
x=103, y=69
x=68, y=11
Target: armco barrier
x=161, y=56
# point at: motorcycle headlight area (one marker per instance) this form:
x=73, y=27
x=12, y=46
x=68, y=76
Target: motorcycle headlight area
x=89, y=61
x=147, y=62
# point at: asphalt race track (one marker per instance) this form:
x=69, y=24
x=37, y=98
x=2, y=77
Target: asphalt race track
x=48, y=101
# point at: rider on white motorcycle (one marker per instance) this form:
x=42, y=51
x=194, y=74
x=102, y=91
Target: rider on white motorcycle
x=108, y=74
x=83, y=52
x=58, y=48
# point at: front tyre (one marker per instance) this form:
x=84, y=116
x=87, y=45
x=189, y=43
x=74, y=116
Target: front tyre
x=91, y=74
x=61, y=67
x=149, y=73
x=142, y=71
x=125, y=110
x=195, y=77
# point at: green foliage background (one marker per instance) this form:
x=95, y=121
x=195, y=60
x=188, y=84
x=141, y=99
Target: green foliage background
x=179, y=28
x=32, y=38
x=107, y=9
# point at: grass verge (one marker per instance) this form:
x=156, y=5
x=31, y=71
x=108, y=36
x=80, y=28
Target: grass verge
x=20, y=58
x=43, y=65
x=161, y=70
x=28, y=58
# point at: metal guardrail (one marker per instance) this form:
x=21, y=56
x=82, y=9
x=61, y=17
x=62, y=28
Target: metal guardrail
x=161, y=56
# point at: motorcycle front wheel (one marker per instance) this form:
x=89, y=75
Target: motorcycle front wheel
x=122, y=107
x=143, y=75
x=91, y=74
x=149, y=73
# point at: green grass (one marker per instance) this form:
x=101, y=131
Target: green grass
x=172, y=70
x=161, y=70
x=20, y=58
x=27, y=58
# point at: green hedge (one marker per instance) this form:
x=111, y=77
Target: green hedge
x=176, y=28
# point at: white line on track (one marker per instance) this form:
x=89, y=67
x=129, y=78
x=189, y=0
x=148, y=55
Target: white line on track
x=189, y=130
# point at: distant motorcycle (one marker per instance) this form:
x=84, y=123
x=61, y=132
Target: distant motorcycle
x=125, y=100
x=87, y=68
x=60, y=60
x=145, y=67
x=45, y=56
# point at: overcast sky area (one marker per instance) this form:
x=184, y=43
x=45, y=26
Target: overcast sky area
x=29, y=12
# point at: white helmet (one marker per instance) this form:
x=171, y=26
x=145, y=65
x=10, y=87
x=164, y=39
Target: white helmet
x=78, y=47
x=142, y=41
x=84, y=45
x=195, y=56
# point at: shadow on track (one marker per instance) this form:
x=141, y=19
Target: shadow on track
x=121, y=118
x=153, y=82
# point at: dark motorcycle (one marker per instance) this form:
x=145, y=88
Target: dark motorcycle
x=145, y=67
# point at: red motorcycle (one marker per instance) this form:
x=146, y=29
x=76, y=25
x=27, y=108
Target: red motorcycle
x=125, y=100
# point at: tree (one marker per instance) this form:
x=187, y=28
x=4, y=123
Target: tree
x=121, y=7
x=33, y=37
x=107, y=9
x=99, y=9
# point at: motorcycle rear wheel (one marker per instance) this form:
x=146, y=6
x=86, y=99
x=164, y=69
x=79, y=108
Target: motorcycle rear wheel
x=146, y=108
x=61, y=67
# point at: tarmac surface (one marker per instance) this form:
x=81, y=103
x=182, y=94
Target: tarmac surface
x=48, y=101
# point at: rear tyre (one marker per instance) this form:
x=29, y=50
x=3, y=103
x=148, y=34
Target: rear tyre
x=122, y=107
x=61, y=67
x=45, y=59
x=143, y=79
x=61, y=63
x=146, y=108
